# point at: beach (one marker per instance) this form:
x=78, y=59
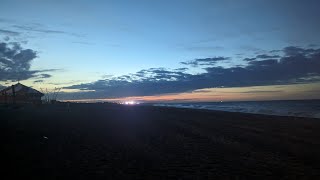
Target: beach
x=103, y=140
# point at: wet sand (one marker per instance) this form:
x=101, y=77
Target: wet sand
x=100, y=141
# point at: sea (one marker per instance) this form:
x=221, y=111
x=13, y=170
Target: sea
x=296, y=108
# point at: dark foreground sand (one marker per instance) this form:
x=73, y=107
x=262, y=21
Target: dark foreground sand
x=126, y=142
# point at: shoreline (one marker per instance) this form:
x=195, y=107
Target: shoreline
x=307, y=108
x=243, y=113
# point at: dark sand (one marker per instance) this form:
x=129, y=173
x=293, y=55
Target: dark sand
x=127, y=142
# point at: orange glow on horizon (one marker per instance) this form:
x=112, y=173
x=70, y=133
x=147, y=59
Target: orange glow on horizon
x=254, y=93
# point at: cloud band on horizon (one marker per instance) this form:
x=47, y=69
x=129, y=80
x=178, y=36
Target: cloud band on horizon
x=295, y=65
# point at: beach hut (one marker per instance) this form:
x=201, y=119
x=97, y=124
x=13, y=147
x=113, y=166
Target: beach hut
x=20, y=93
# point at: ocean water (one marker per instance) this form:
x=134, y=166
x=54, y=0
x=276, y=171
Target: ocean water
x=297, y=108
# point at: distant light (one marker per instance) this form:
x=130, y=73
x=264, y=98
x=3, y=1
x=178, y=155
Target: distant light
x=130, y=103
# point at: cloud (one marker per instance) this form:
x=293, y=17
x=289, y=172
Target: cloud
x=203, y=48
x=6, y=20
x=83, y=43
x=202, y=91
x=275, y=51
x=268, y=62
x=43, y=76
x=265, y=56
x=9, y=33
x=257, y=91
x=312, y=45
x=66, y=83
x=181, y=69
x=249, y=59
x=38, y=81
x=205, y=61
x=291, y=68
x=40, y=29
x=6, y=38
x=298, y=51
x=15, y=63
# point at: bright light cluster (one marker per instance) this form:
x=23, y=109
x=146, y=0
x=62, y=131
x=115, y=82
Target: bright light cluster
x=130, y=103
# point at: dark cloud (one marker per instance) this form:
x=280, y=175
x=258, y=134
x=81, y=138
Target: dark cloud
x=290, y=68
x=7, y=38
x=268, y=62
x=15, y=63
x=50, y=70
x=205, y=61
x=298, y=51
x=249, y=59
x=265, y=56
x=43, y=76
x=181, y=69
x=9, y=33
x=275, y=51
x=312, y=45
x=38, y=81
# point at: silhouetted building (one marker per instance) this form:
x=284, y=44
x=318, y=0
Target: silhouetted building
x=20, y=93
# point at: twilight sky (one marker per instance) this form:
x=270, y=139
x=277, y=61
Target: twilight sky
x=169, y=50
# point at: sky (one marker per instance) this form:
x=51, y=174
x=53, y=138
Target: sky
x=177, y=50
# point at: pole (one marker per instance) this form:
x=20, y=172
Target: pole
x=13, y=95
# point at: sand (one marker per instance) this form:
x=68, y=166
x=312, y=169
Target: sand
x=100, y=141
